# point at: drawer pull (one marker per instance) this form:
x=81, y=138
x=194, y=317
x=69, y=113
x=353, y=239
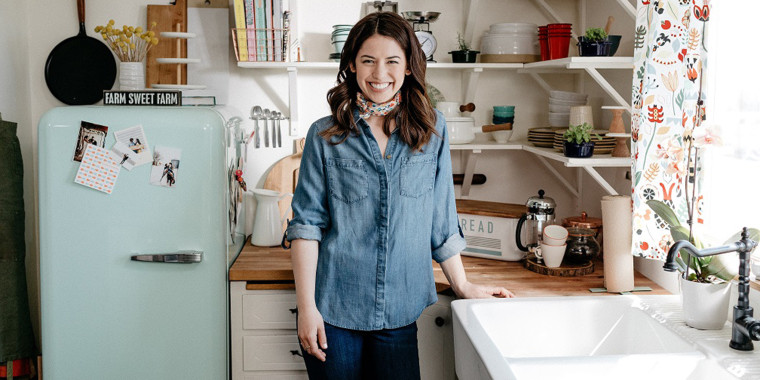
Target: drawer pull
x=293, y=310
x=295, y=353
x=439, y=321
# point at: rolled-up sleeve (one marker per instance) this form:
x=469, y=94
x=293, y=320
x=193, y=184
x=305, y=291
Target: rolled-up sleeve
x=310, y=213
x=447, y=239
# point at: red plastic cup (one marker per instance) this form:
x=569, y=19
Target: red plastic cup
x=558, y=46
x=543, y=43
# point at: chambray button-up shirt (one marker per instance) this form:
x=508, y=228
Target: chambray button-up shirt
x=379, y=220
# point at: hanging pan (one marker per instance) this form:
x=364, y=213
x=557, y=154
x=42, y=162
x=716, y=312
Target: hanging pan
x=80, y=67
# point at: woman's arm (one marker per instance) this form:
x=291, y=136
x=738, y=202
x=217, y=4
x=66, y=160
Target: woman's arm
x=311, y=327
x=454, y=271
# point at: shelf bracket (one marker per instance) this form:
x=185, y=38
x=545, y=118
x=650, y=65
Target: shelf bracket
x=559, y=177
x=471, y=158
x=293, y=99
x=601, y=181
x=541, y=82
x=470, y=83
x=628, y=8
x=552, y=14
x=607, y=87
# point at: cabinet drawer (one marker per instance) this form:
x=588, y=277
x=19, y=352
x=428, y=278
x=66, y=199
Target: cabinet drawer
x=272, y=353
x=269, y=311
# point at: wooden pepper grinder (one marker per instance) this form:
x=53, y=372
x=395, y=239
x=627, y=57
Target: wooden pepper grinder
x=617, y=130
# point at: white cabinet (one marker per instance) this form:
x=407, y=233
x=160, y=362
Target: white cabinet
x=264, y=341
x=263, y=338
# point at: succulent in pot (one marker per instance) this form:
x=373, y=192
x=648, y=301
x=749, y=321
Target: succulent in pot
x=594, y=43
x=578, y=142
x=464, y=54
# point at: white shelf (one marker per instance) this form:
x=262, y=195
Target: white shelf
x=581, y=63
x=488, y=145
x=597, y=160
x=334, y=65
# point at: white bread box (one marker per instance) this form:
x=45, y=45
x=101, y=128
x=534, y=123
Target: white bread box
x=489, y=229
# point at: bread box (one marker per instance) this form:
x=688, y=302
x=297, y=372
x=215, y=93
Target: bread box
x=489, y=229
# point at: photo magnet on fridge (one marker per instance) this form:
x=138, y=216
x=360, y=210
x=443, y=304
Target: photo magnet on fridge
x=165, y=166
x=89, y=133
x=127, y=157
x=134, y=138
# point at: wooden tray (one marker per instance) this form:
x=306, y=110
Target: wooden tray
x=564, y=270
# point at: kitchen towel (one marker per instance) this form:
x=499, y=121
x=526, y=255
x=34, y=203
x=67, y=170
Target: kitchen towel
x=618, y=261
x=16, y=335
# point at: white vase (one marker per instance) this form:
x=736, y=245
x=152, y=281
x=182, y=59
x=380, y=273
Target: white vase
x=705, y=306
x=131, y=76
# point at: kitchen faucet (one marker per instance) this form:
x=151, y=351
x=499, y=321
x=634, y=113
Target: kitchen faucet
x=745, y=328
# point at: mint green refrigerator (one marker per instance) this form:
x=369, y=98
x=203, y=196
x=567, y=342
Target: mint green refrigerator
x=133, y=280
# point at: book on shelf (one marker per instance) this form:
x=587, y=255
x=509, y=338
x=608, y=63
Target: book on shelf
x=241, y=38
x=278, y=32
x=250, y=31
x=261, y=37
x=268, y=29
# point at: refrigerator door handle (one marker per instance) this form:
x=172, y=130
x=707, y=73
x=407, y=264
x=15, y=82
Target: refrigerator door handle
x=182, y=257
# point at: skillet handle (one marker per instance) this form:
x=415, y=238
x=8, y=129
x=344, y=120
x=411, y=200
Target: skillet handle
x=80, y=13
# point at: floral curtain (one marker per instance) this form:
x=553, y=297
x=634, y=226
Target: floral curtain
x=667, y=96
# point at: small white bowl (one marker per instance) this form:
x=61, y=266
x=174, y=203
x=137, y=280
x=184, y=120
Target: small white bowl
x=553, y=254
x=567, y=95
x=555, y=234
x=501, y=137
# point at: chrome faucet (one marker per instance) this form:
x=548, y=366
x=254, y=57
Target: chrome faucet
x=745, y=328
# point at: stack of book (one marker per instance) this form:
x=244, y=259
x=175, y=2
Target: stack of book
x=261, y=30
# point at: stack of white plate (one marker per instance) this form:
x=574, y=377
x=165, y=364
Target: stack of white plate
x=510, y=38
x=559, y=106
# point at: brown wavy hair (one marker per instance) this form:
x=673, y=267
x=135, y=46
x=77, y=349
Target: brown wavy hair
x=415, y=114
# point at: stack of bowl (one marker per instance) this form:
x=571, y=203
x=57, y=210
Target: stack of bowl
x=560, y=103
x=503, y=115
x=338, y=39
x=558, y=38
x=510, y=42
x=553, y=245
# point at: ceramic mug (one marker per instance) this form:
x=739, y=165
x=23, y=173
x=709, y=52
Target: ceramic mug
x=580, y=115
x=448, y=109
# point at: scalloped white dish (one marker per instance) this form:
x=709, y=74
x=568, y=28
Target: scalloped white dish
x=178, y=86
x=178, y=60
x=177, y=35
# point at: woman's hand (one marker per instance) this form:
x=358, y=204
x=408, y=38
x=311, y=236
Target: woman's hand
x=470, y=290
x=311, y=332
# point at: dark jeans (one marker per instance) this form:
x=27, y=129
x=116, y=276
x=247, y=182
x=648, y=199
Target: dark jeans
x=352, y=354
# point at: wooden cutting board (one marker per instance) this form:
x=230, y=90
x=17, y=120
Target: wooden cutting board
x=283, y=177
x=168, y=18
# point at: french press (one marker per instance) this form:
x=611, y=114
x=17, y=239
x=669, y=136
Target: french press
x=540, y=214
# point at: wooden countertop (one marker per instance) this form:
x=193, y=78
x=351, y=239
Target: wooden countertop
x=270, y=268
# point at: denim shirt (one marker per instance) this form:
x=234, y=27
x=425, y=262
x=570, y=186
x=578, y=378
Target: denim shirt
x=379, y=221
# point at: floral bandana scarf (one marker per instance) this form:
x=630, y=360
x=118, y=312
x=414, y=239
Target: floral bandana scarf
x=369, y=108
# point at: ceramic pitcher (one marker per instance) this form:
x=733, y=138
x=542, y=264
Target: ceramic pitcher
x=267, y=224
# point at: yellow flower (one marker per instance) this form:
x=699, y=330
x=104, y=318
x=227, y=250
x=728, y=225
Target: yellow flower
x=139, y=30
x=98, y=28
x=110, y=22
x=151, y=34
x=154, y=41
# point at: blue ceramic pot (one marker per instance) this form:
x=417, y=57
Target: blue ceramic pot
x=582, y=150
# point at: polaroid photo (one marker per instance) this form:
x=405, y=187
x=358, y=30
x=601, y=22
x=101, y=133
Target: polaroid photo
x=126, y=157
x=165, y=169
x=89, y=133
x=134, y=138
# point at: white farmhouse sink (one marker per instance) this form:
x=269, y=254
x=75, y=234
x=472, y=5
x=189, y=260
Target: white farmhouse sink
x=571, y=338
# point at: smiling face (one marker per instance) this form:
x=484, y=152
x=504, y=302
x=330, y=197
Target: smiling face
x=380, y=68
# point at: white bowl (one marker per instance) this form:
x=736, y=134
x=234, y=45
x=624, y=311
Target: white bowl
x=553, y=254
x=567, y=102
x=567, y=95
x=506, y=44
x=554, y=234
x=559, y=108
x=513, y=27
x=501, y=137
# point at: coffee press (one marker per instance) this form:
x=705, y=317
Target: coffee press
x=540, y=214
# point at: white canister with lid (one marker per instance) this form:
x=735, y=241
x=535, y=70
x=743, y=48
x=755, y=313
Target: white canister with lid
x=461, y=129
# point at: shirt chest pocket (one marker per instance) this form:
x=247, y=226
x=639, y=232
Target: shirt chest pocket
x=417, y=175
x=347, y=179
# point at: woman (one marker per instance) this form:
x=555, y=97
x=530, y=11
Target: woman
x=374, y=203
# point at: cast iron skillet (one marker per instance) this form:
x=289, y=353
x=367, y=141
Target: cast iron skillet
x=80, y=67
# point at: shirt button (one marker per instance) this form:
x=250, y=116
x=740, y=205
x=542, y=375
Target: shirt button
x=388, y=156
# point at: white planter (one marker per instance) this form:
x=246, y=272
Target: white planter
x=131, y=76
x=705, y=306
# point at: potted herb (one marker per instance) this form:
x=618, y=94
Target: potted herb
x=578, y=142
x=594, y=43
x=464, y=54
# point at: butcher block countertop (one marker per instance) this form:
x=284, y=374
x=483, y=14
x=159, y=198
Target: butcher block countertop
x=270, y=268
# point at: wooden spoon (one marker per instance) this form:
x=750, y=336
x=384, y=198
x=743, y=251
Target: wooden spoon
x=607, y=27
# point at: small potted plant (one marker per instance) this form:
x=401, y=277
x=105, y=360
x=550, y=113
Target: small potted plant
x=578, y=142
x=464, y=54
x=594, y=43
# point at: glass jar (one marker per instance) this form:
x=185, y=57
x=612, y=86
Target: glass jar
x=581, y=245
x=591, y=223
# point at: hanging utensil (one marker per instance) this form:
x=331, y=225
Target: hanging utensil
x=279, y=131
x=607, y=27
x=267, y=115
x=80, y=67
x=256, y=113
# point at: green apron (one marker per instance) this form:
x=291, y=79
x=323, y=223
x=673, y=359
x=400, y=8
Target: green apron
x=16, y=335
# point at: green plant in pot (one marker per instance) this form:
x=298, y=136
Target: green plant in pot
x=594, y=43
x=464, y=54
x=578, y=142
